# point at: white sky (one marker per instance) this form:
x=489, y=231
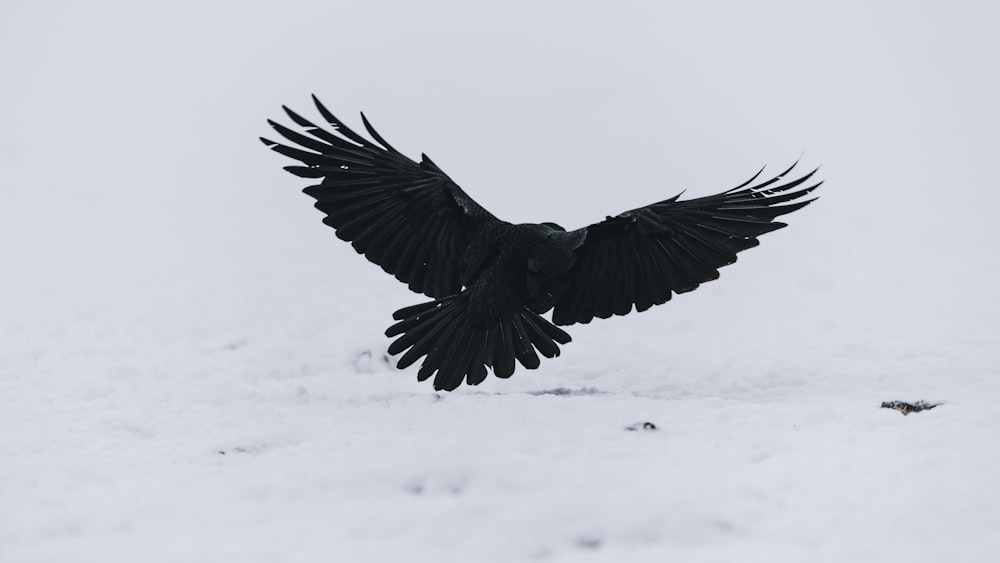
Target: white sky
x=543, y=111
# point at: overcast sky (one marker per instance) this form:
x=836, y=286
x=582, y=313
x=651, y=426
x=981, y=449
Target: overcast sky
x=130, y=142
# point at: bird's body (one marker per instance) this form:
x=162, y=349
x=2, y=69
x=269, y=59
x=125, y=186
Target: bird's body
x=491, y=280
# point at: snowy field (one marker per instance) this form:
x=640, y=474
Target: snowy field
x=192, y=365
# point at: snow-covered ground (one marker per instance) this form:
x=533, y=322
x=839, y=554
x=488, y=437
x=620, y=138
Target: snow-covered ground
x=192, y=365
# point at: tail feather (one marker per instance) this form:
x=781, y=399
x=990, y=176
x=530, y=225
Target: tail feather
x=523, y=349
x=490, y=347
x=478, y=362
x=456, y=347
x=503, y=354
x=439, y=353
x=541, y=339
x=426, y=343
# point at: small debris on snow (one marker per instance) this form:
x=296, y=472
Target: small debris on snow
x=589, y=543
x=567, y=392
x=436, y=486
x=302, y=394
x=242, y=450
x=644, y=426
x=907, y=408
x=371, y=360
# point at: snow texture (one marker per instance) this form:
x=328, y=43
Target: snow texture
x=192, y=366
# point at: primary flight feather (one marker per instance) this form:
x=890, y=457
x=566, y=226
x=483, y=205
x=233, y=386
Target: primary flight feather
x=491, y=280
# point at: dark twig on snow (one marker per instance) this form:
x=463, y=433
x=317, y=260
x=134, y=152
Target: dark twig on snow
x=907, y=408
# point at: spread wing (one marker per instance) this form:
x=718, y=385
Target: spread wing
x=409, y=218
x=641, y=257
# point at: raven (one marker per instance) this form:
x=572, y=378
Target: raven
x=491, y=280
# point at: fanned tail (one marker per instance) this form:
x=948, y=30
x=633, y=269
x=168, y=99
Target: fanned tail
x=459, y=346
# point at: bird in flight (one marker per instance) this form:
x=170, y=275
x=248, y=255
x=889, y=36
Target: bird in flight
x=491, y=280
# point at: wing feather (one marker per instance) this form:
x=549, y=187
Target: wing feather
x=641, y=257
x=409, y=218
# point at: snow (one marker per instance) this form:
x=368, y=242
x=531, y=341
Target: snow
x=192, y=365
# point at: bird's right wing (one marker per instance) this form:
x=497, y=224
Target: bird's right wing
x=411, y=219
x=641, y=257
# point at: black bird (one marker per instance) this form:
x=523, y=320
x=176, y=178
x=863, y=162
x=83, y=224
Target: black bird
x=492, y=280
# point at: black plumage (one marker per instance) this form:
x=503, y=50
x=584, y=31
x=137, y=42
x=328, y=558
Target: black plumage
x=491, y=280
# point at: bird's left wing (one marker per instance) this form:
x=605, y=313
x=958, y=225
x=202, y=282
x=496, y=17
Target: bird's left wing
x=640, y=257
x=409, y=218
